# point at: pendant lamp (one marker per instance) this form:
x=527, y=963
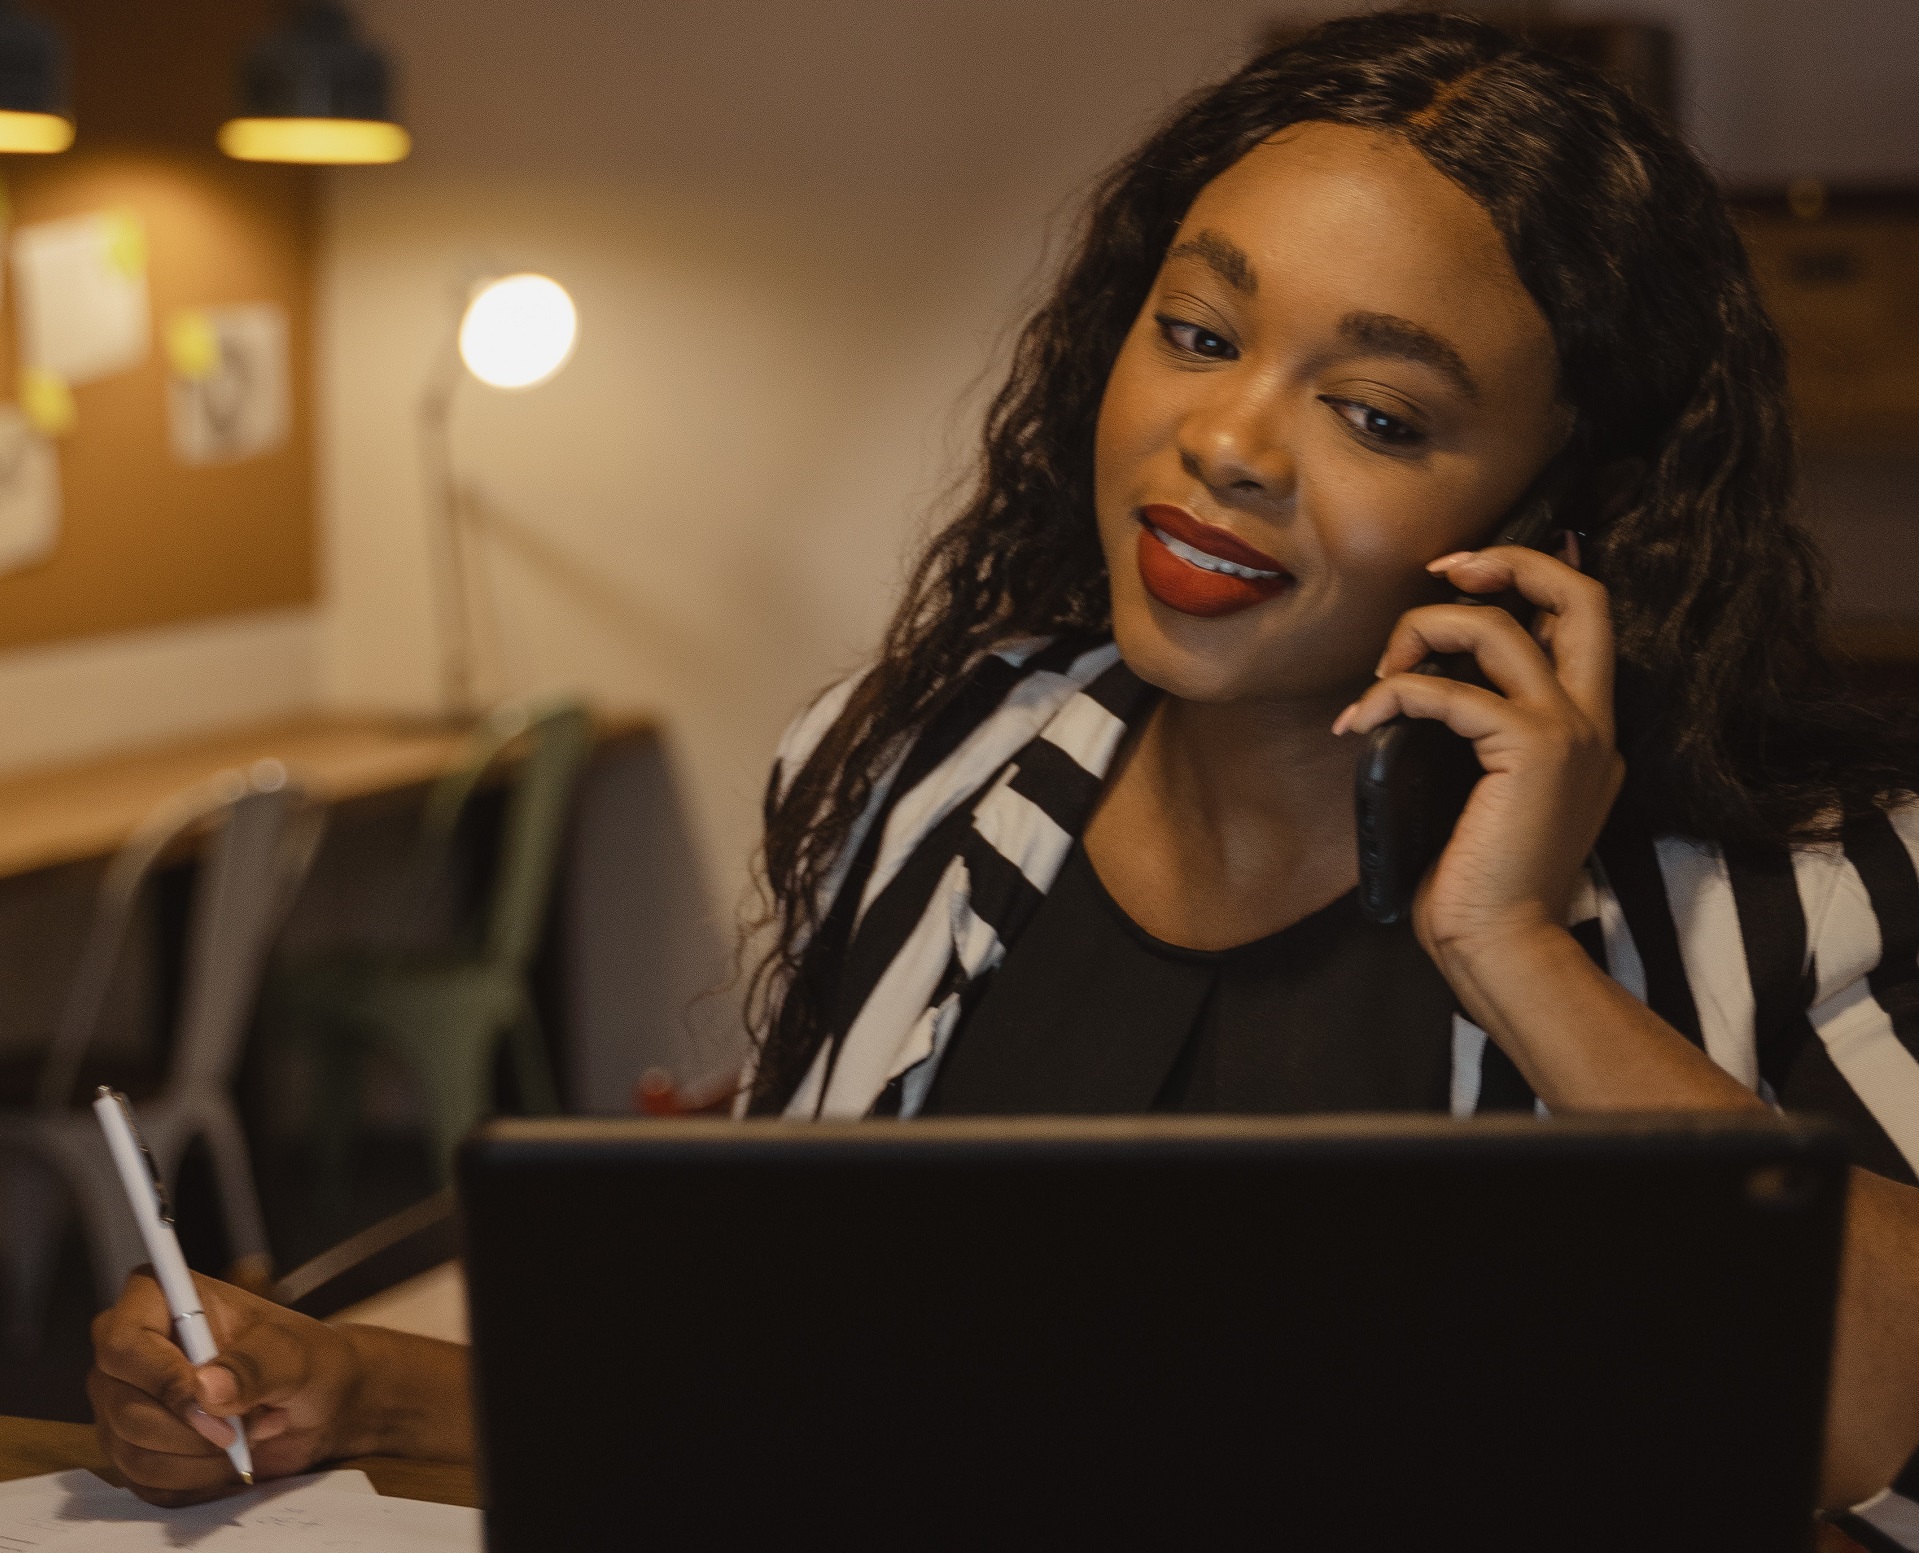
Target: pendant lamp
x=33, y=84
x=312, y=92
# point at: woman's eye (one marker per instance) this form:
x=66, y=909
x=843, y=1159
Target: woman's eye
x=1196, y=340
x=1375, y=424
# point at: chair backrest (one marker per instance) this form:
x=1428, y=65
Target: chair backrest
x=248, y=878
x=559, y=735
x=263, y=839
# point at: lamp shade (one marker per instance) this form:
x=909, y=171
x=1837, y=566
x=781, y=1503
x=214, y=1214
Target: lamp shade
x=311, y=91
x=33, y=84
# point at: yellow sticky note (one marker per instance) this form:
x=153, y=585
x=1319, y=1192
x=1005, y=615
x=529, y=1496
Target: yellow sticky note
x=193, y=345
x=126, y=242
x=48, y=402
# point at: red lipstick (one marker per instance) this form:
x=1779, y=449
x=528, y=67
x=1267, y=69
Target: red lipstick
x=1201, y=569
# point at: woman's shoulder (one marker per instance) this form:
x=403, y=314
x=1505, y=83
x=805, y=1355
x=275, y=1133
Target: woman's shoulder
x=1021, y=672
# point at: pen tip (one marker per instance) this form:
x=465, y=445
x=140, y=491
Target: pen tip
x=247, y=1478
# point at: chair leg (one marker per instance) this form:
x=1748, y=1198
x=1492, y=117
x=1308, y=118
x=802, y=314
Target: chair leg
x=334, y=1114
x=532, y=1068
x=252, y=1263
x=34, y=1211
x=456, y=1079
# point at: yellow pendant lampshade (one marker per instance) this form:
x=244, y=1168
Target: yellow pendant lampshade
x=33, y=85
x=321, y=142
x=312, y=92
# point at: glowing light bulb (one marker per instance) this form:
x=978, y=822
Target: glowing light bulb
x=518, y=331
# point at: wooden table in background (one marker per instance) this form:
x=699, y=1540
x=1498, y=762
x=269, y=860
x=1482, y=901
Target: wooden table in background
x=31, y=1446
x=65, y=814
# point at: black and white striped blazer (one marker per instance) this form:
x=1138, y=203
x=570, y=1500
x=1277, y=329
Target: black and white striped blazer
x=1796, y=970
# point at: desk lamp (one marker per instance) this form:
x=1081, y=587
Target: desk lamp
x=312, y=92
x=514, y=333
x=33, y=84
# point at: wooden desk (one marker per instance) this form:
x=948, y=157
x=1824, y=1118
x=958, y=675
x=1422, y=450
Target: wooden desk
x=68, y=813
x=31, y=1446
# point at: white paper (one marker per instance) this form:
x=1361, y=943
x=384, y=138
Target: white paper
x=72, y=1511
x=29, y=496
x=38, y=1511
x=81, y=289
x=236, y=406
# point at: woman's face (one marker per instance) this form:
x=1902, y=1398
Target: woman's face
x=1337, y=378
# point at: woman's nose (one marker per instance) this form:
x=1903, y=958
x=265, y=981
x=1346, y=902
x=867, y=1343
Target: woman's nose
x=1236, y=445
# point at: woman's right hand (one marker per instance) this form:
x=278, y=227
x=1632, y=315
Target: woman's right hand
x=295, y=1382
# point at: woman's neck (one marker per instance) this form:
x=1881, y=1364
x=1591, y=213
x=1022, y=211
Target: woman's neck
x=1227, y=822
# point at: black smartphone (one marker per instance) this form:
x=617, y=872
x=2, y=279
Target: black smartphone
x=1415, y=775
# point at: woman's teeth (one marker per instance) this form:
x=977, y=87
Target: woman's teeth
x=1209, y=563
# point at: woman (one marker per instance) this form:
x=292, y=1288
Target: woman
x=1083, y=838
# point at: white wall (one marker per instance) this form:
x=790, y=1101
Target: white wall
x=70, y=700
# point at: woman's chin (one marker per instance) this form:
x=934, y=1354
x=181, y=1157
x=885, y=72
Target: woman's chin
x=1191, y=658
x=1235, y=658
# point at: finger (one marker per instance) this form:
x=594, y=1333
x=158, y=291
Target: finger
x=267, y=1424
x=1582, y=633
x=136, y=1417
x=229, y=1310
x=1469, y=711
x=157, y=1470
x=1511, y=659
x=133, y=1342
x=193, y=1471
x=264, y=1366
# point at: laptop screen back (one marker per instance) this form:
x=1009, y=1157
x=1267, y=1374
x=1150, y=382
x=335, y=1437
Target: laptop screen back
x=1167, y=1332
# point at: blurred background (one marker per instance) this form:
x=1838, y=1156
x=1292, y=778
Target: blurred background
x=474, y=687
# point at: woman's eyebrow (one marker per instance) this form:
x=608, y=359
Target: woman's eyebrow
x=1384, y=335
x=1224, y=257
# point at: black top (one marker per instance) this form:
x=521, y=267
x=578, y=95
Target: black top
x=1091, y=1014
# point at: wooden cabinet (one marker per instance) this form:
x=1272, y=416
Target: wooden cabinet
x=1840, y=274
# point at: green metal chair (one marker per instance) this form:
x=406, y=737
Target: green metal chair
x=444, y=1014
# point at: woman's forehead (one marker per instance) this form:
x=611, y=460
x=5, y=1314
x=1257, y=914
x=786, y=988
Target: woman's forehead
x=1329, y=219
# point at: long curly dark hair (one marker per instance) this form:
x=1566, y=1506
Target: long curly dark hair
x=1728, y=715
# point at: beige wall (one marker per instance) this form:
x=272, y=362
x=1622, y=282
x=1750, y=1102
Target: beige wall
x=796, y=235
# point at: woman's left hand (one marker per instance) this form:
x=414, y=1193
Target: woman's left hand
x=1545, y=741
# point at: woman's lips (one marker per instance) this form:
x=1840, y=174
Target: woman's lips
x=1199, y=569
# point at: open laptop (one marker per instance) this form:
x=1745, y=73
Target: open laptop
x=1169, y=1333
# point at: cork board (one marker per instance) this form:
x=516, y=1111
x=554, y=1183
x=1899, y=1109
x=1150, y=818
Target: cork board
x=145, y=539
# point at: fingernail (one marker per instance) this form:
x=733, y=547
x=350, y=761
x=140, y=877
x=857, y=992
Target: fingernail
x=1446, y=562
x=1344, y=720
x=218, y=1430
